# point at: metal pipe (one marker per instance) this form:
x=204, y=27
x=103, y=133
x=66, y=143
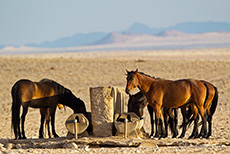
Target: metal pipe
x=126, y=128
x=75, y=128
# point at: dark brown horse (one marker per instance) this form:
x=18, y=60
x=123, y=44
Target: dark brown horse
x=138, y=102
x=171, y=94
x=45, y=94
x=48, y=119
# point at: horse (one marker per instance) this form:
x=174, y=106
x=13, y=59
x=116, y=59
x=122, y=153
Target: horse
x=210, y=107
x=138, y=102
x=48, y=119
x=167, y=93
x=45, y=94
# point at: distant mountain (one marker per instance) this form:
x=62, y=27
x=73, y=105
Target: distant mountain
x=141, y=33
x=186, y=27
x=75, y=40
x=139, y=28
x=165, y=40
x=116, y=37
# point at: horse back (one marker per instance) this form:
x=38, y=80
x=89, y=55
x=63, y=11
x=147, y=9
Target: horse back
x=30, y=93
x=43, y=89
x=174, y=93
x=23, y=90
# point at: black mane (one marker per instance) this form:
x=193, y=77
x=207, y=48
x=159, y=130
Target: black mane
x=57, y=87
x=132, y=72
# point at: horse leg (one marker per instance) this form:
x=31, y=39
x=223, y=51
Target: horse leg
x=157, y=134
x=52, y=114
x=47, y=123
x=184, y=125
x=24, y=112
x=194, y=110
x=162, y=128
x=18, y=130
x=195, y=128
x=209, y=120
x=166, y=119
x=204, y=121
x=48, y=126
x=160, y=131
x=43, y=112
x=150, y=109
x=209, y=125
x=175, y=122
x=202, y=132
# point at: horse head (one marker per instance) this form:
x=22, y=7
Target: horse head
x=70, y=100
x=137, y=103
x=132, y=81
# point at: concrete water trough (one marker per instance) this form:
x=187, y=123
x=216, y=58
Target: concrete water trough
x=128, y=123
x=76, y=124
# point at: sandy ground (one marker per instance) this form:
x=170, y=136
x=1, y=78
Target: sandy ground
x=80, y=71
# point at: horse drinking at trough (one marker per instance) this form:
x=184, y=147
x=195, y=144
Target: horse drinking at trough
x=45, y=94
x=138, y=102
x=171, y=94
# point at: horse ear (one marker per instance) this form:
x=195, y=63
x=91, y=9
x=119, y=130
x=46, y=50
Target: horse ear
x=136, y=71
x=127, y=72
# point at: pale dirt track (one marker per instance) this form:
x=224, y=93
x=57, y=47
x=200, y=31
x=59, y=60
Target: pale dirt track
x=79, y=71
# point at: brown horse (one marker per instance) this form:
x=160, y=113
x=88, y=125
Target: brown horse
x=210, y=107
x=45, y=94
x=138, y=102
x=48, y=118
x=171, y=94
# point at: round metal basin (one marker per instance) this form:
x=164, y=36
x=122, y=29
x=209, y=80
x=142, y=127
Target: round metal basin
x=82, y=123
x=133, y=122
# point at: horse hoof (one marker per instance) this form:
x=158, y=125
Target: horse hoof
x=21, y=138
x=191, y=137
x=197, y=136
x=174, y=136
x=56, y=136
x=164, y=136
x=205, y=136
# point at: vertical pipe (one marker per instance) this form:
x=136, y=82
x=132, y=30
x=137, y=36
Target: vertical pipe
x=125, y=128
x=75, y=128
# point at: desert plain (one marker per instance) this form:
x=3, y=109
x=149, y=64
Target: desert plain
x=79, y=71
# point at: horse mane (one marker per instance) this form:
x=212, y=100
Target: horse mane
x=144, y=74
x=147, y=75
x=57, y=87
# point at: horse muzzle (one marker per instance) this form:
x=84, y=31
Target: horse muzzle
x=127, y=91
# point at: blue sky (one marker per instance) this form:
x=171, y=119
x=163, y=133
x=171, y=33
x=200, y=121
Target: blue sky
x=26, y=21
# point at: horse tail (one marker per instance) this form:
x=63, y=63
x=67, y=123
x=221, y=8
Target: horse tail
x=214, y=102
x=188, y=116
x=207, y=93
x=188, y=123
x=15, y=119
